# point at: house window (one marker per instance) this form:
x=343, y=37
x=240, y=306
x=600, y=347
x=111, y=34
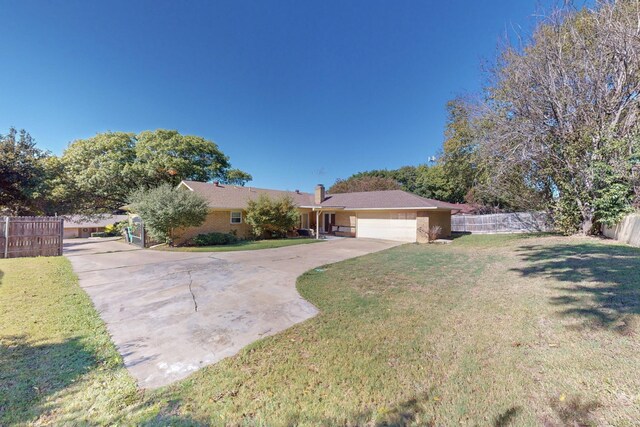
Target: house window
x=304, y=220
x=236, y=217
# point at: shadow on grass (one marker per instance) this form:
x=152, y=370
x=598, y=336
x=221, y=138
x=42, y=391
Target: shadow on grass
x=31, y=372
x=575, y=411
x=599, y=283
x=402, y=414
x=507, y=418
x=169, y=416
x=459, y=234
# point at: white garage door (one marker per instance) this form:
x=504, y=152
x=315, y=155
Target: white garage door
x=387, y=225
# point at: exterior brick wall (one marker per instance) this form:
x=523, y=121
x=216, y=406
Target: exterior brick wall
x=216, y=221
x=443, y=219
x=422, y=226
x=71, y=233
x=346, y=219
x=220, y=221
x=428, y=219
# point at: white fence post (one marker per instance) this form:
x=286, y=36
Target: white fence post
x=6, y=237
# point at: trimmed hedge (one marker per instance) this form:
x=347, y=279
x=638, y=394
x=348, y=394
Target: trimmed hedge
x=99, y=234
x=214, y=239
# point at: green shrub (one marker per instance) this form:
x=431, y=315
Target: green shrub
x=165, y=208
x=566, y=216
x=117, y=228
x=271, y=218
x=214, y=239
x=99, y=234
x=613, y=203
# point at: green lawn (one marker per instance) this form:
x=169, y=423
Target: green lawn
x=490, y=330
x=245, y=245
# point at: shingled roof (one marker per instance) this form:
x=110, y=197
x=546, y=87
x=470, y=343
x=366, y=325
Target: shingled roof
x=78, y=221
x=389, y=199
x=234, y=197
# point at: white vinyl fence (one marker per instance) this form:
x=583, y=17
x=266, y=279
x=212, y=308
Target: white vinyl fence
x=516, y=222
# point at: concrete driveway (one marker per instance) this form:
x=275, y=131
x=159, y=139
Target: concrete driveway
x=171, y=313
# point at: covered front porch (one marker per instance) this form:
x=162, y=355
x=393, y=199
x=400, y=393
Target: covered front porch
x=328, y=222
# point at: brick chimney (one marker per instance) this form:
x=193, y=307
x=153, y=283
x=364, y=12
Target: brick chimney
x=319, y=198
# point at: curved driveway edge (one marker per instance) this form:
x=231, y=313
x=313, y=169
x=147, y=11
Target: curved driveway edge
x=171, y=313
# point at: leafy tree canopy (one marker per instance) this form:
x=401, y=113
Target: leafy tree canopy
x=423, y=180
x=100, y=172
x=562, y=111
x=23, y=174
x=237, y=177
x=357, y=184
x=459, y=152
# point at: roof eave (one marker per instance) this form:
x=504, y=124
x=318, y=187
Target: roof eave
x=185, y=184
x=414, y=208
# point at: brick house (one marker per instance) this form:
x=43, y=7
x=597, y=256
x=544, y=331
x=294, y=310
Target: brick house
x=391, y=215
x=78, y=226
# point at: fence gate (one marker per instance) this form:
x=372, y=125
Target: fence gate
x=27, y=236
x=136, y=232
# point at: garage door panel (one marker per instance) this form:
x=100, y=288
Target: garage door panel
x=389, y=226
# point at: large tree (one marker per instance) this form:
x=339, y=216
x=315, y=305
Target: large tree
x=99, y=173
x=23, y=174
x=459, y=151
x=563, y=111
x=355, y=184
x=166, y=155
x=423, y=180
x=237, y=177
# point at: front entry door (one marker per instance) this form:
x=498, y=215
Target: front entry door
x=329, y=222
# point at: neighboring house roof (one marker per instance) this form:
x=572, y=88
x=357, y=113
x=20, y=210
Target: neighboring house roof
x=389, y=199
x=464, y=208
x=78, y=221
x=233, y=197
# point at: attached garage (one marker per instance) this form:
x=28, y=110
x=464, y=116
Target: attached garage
x=399, y=226
x=386, y=215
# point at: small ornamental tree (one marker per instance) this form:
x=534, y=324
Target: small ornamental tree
x=270, y=218
x=165, y=208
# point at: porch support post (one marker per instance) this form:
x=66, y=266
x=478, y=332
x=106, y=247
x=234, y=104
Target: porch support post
x=317, y=224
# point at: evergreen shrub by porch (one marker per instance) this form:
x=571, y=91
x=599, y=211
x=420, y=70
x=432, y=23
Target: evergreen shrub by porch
x=214, y=239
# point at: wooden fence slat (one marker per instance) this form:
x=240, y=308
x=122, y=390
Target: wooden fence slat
x=31, y=236
x=516, y=222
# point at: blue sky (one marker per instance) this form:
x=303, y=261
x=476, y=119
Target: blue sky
x=295, y=92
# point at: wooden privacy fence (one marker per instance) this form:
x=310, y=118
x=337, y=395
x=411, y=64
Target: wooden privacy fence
x=517, y=222
x=26, y=236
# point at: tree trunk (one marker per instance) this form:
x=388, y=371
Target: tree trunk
x=587, y=226
x=586, y=212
